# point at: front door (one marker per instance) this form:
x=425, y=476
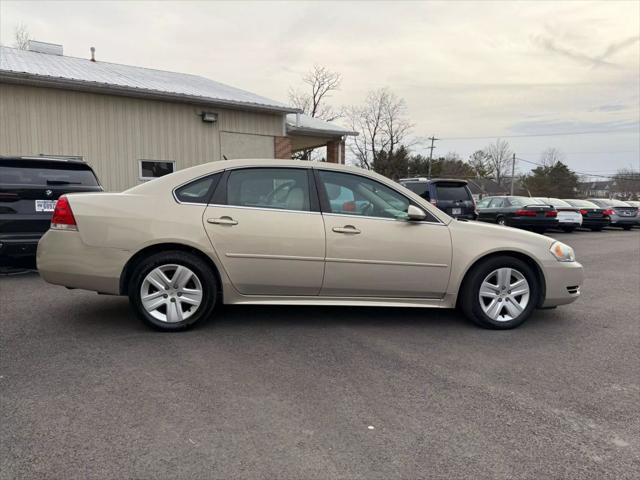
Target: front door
x=266, y=228
x=372, y=250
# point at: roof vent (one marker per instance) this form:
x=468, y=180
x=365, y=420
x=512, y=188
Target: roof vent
x=44, y=47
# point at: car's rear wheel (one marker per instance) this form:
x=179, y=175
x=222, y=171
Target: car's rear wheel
x=172, y=291
x=627, y=227
x=596, y=229
x=500, y=293
x=501, y=221
x=568, y=229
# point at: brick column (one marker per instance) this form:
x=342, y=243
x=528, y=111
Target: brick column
x=282, y=147
x=335, y=151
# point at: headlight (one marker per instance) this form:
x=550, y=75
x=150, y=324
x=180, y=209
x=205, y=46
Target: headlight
x=562, y=252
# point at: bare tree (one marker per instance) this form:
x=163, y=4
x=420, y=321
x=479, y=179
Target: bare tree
x=21, y=37
x=499, y=158
x=313, y=100
x=551, y=156
x=479, y=162
x=627, y=183
x=383, y=125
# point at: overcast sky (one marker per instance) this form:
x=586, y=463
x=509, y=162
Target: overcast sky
x=465, y=69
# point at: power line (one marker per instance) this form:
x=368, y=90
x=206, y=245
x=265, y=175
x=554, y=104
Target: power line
x=550, y=134
x=629, y=175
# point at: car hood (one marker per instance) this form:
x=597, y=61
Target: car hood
x=499, y=235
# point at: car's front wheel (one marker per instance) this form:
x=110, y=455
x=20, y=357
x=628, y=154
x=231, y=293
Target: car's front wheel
x=172, y=291
x=500, y=293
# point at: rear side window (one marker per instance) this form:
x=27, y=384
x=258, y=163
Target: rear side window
x=198, y=191
x=453, y=192
x=496, y=202
x=43, y=173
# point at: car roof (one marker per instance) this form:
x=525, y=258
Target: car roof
x=433, y=180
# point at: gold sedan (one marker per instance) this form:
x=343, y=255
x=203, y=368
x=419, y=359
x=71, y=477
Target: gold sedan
x=282, y=232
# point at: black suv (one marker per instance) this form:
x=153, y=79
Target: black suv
x=29, y=189
x=449, y=195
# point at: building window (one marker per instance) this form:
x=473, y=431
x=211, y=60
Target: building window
x=150, y=169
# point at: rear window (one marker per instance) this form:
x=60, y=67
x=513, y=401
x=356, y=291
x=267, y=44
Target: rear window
x=583, y=204
x=452, y=191
x=555, y=202
x=42, y=173
x=418, y=188
x=524, y=201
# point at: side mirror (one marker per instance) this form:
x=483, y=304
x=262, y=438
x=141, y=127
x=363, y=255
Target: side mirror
x=415, y=213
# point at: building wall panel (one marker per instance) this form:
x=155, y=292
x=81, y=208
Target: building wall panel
x=112, y=133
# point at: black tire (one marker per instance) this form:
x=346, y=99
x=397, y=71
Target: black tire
x=568, y=229
x=596, y=229
x=541, y=231
x=627, y=227
x=201, y=270
x=501, y=221
x=469, y=294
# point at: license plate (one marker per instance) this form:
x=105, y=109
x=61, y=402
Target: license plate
x=45, y=205
x=456, y=211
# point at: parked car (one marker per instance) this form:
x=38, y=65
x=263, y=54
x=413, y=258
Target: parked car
x=449, y=195
x=179, y=244
x=594, y=217
x=635, y=203
x=29, y=188
x=622, y=214
x=569, y=217
x=521, y=212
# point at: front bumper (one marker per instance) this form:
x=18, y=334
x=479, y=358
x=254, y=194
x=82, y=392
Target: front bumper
x=63, y=259
x=563, y=282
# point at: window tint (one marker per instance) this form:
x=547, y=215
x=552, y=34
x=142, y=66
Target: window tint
x=41, y=172
x=582, y=203
x=484, y=203
x=496, y=202
x=452, y=192
x=356, y=195
x=154, y=169
x=199, y=190
x=421, y=189
x=282, y=188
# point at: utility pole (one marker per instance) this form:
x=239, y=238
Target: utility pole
x=513, y=172
x=433, y=139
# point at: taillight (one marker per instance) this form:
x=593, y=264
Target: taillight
x=525, y=213
x=584, y=212
x=63, y=218
x=608, y=212
x=551, y=213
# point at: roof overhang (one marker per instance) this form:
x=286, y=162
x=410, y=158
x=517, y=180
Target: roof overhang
x=109, y=89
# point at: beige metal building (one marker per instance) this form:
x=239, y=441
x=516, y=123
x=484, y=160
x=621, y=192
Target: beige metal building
x=132, y=123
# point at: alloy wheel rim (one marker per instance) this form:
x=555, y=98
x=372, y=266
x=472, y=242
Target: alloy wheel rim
x=171, y=293
x=504, y=294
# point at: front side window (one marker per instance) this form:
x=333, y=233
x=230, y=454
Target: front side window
x=280, y=188
x=496, y=203
x=356, y=195
x=484, y=203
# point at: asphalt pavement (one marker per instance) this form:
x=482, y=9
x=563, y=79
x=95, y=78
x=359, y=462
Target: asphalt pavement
x=87, y=391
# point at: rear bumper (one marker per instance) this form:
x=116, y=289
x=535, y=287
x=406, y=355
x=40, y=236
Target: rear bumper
x=19, y=245
x=531, y=222
x=63, y=259
x=595, y=222
x=563, y=282
x=623, y=221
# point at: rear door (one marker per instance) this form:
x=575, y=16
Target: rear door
x=266, y=228
x=454, y=198
x=29, y=189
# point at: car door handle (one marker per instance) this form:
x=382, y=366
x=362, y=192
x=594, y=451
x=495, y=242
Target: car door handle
x=222, y=221
x=346, y=229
